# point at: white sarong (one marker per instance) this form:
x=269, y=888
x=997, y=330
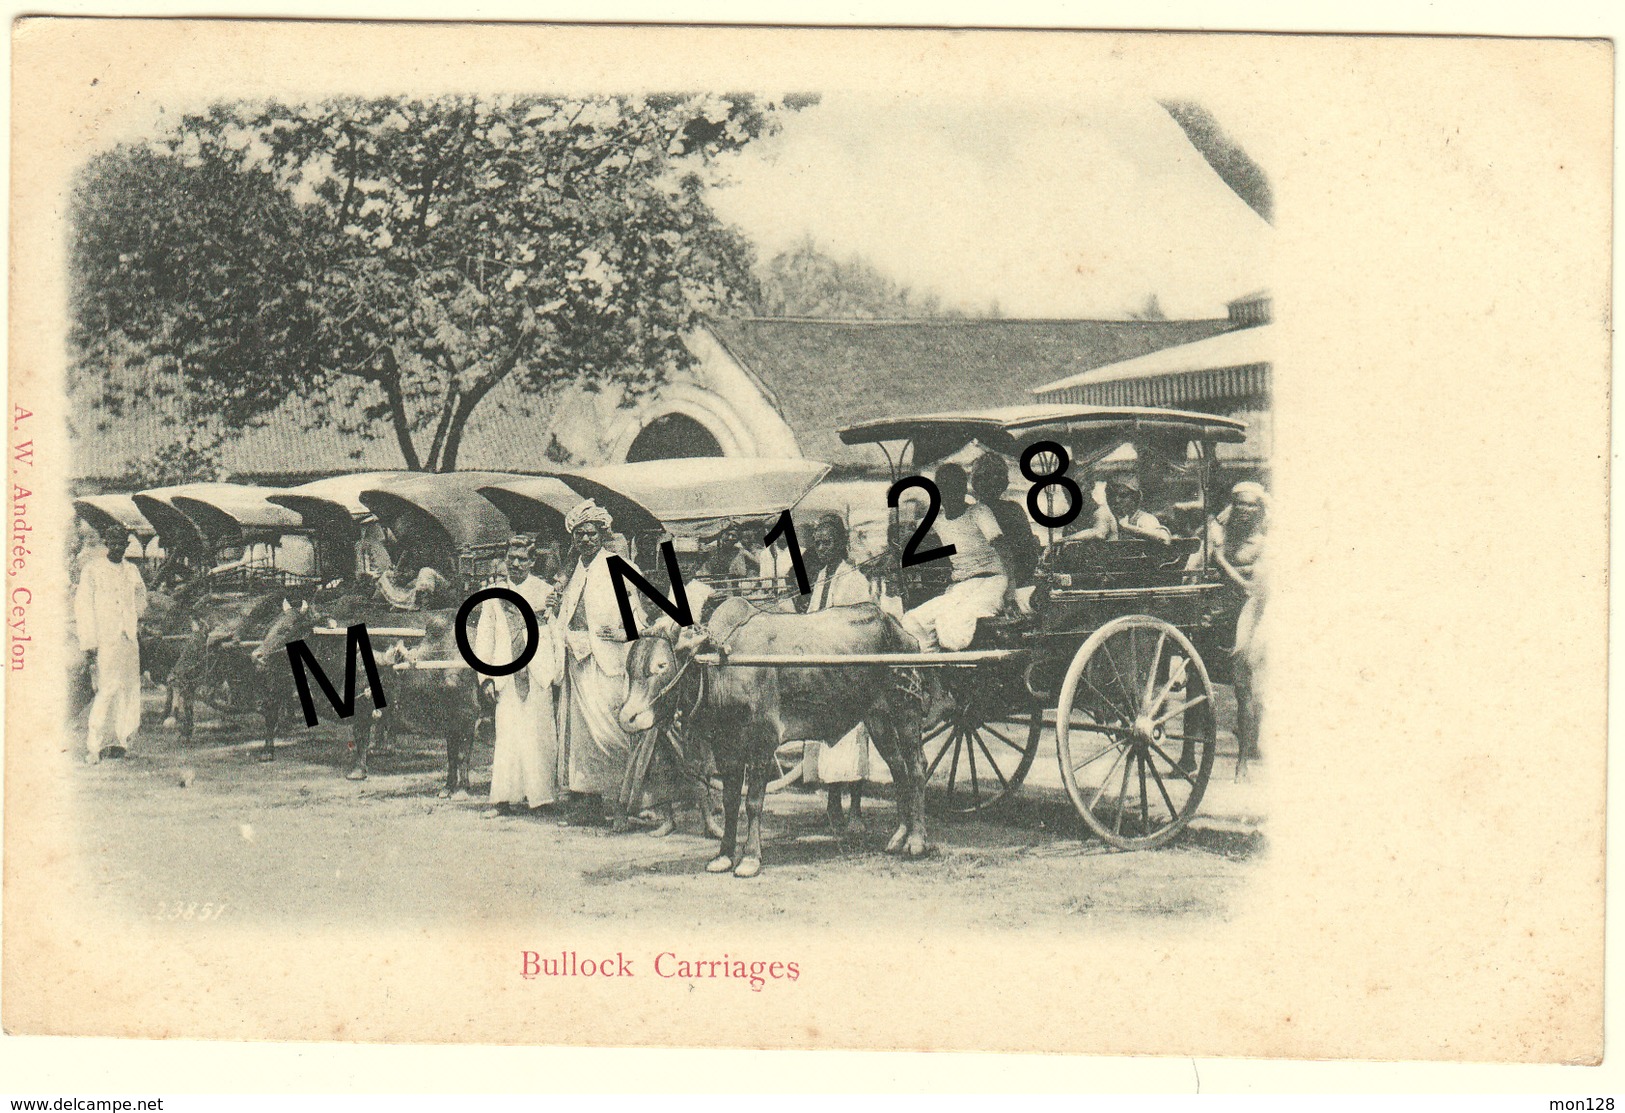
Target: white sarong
x=525, y=751
x=590, y=701
x=115, y=715
x=107, y=610
x=843, y=763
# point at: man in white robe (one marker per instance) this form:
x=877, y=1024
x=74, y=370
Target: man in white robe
x=107, y=609
x=593, y=686
x=842, y=766
x=525, y=753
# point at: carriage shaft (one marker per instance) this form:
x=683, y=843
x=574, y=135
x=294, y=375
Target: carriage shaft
x=856, y=660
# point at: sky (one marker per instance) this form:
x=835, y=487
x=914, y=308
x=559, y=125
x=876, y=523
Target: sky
x=1049, y=210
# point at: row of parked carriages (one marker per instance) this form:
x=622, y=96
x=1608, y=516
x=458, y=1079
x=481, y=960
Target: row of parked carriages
x=1115, y=655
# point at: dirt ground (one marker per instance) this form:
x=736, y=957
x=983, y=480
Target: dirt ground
x=294, y=842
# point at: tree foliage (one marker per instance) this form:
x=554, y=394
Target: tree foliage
x=1150, y=310
x=390, y=262
x=806, y=281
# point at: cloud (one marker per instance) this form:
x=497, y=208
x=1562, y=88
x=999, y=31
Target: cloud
x=1077, y=210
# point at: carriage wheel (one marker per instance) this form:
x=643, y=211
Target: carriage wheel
x=1135, y=733
x=979, y=754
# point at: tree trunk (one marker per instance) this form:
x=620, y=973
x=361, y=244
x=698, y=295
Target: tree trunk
x=448, y=413
x=467, y=403
x=390, y=380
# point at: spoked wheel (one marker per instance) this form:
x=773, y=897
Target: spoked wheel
x=979, y=754
x=1135, y=733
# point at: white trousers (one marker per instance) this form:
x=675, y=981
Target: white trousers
x=949, y=621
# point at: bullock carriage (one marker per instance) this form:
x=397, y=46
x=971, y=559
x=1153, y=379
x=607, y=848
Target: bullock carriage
x=226, y=553
x=1109, y=644
x=1114, y=644
x=1111, y=641
x=698, y=505
x=408, y=522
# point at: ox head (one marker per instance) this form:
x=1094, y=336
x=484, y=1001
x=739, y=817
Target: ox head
x=655, y=665
x=291, y=625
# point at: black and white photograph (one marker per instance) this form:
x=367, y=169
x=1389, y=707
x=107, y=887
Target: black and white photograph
x=580, y=554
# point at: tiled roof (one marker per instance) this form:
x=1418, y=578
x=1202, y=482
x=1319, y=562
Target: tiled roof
x=292, y=446
x=822, y=375
x=1248, y=347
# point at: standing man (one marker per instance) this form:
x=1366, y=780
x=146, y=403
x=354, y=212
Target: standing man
x=841, y=766
x=593, y=685
x=525, y=756
x=774, y=569
x=106, y=609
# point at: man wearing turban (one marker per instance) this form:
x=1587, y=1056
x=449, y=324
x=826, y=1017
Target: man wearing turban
x=593, y=686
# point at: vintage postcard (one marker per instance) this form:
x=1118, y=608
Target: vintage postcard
x=900, y=540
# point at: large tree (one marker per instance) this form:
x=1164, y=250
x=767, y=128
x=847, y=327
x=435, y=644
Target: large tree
x=391, y=261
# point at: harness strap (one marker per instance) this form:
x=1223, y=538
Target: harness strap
x=677, y=676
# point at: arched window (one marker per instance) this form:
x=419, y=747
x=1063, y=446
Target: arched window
x=673, y=437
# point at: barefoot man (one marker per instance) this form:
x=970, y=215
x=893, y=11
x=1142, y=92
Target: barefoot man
x=525, y=755
x=594, y=685
x=108, y=605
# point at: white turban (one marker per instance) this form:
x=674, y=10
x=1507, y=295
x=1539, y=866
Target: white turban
x=587, y=511
x=1248, y=487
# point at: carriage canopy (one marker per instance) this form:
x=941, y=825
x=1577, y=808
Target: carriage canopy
x=442, y=510
x=179, y=534
x=1010, y=429
x=231, y=512
x=332, y=508
x=103, y=512
x=538, y=504
x=697, y=496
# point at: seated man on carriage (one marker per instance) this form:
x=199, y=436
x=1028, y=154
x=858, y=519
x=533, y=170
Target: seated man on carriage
x=732, y=567
x=978, y=569
x=1123, y=516
x=727, y=560
x=414, y=583
x=989, y=480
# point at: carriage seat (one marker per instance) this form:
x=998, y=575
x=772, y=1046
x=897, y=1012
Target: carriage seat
x=1003, y=631
x=1130, y=561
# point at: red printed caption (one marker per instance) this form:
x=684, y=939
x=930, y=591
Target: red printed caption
x=22, y=535
x=667, y=964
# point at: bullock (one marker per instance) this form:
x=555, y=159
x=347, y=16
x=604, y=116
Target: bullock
x=444, y=702
x=746, y=713
x=205, y=657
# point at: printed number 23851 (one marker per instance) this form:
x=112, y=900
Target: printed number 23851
x=188, y=910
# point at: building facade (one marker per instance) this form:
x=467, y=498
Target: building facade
x=1228, y=373
x=757, y=387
